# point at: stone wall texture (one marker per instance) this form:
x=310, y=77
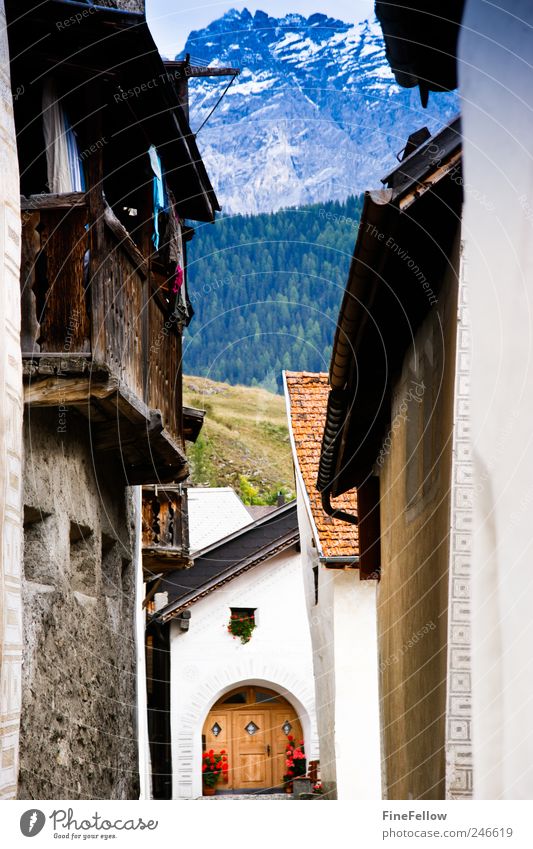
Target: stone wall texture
x=78, y=732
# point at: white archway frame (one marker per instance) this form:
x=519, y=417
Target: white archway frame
x=187, y=730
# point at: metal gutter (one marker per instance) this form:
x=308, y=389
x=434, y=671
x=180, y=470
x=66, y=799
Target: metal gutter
x=339, y=559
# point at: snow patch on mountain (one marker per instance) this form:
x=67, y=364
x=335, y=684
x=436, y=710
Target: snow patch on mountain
x=315, y=115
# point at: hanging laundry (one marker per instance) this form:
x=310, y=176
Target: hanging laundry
x=178, y=279
x=158, y=192
x=74, y=163
x=62, y=157
x=171, y=248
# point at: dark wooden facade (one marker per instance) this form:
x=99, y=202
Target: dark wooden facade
x=97, y=335
x=101, y=328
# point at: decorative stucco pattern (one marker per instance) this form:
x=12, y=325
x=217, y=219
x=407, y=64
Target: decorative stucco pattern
x=10, y=436
x=459, y=698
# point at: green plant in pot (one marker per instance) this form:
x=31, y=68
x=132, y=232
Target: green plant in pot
x=241, y=627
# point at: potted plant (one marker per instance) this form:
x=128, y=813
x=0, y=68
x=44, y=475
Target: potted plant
x=241, y=627
x=214, y=767
x=295, y=762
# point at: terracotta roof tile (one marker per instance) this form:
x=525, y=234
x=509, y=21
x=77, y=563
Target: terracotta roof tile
x=308, y=397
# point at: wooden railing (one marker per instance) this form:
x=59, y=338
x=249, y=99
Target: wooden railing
x=86, y=289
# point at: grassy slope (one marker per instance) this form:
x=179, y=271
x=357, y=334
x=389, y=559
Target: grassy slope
x=245, y=433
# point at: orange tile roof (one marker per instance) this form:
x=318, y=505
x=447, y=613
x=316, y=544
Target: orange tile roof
x=308, y=397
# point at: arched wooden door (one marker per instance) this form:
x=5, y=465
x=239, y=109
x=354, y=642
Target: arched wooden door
x=252, y=724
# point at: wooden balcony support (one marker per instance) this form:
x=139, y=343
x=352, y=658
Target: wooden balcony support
x=193, y=421
x=122, y=426
x=156, y=560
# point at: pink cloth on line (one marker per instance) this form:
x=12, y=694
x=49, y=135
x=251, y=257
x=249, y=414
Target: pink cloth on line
x=178, y=280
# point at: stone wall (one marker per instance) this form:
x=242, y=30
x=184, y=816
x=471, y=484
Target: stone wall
x=78, y=731
x=10, y=434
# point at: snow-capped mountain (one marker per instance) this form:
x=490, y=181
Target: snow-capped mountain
x=315, y=114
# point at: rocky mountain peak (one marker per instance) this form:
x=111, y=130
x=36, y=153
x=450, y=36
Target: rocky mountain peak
x=315, y=114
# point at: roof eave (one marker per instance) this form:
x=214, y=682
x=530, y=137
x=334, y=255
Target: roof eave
x=172, y=610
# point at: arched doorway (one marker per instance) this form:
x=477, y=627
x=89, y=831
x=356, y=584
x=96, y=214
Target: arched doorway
x=252, y=723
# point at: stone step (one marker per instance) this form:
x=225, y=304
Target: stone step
x=222, y=797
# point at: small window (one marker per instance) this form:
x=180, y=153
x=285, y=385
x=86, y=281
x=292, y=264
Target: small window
x=315, y=582
x=236, y=699
x=246, y=613
x=260, y=698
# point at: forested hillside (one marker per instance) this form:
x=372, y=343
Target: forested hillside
x=266, y=291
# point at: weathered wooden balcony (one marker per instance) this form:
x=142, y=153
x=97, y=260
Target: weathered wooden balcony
x=98, y=337
x=165, y=530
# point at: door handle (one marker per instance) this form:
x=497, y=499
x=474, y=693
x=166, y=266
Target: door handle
x=268, y=750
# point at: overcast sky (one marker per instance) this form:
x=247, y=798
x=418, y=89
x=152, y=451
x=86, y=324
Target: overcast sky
x=172, y=20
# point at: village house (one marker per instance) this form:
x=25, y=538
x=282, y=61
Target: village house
x=209, y=689
x=396, y=428
x=109, y=172
x=178, y=521
x=485, y=50
x=340, y=563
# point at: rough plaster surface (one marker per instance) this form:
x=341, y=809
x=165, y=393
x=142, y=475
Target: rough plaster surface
x=78, y=689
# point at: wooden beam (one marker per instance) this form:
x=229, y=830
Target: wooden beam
x=149, y=596
x=156, y=472
x=59, y=391
x=68, y=200
x=165, y=559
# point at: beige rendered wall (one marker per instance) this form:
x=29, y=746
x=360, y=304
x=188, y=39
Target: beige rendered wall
x=415, y=478
x=10, y=435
